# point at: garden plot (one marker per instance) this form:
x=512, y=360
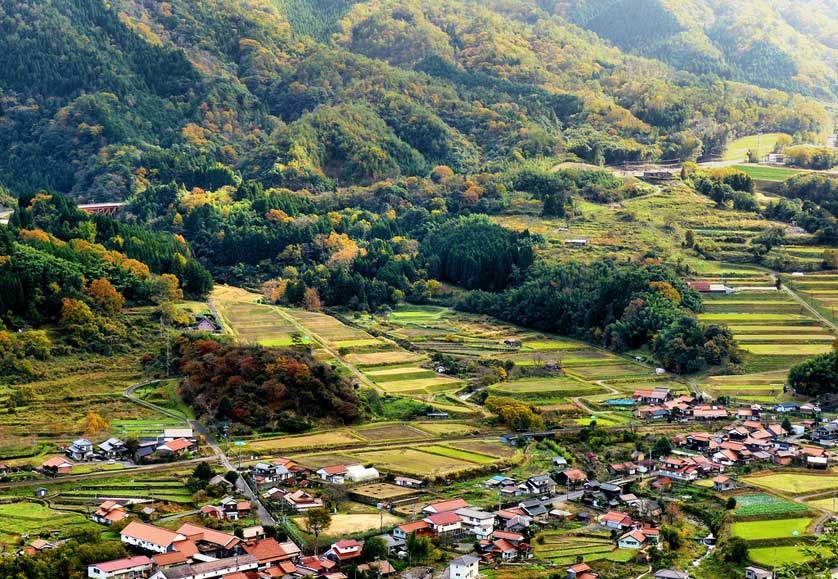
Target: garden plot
x=760, y=504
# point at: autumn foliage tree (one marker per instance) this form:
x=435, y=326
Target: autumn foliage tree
x=102, y=293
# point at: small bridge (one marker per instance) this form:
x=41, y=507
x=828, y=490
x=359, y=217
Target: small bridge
x=106, y=208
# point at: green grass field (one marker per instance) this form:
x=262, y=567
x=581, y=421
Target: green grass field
x=771, y=556
x=764, y=173
x=762, y=144
x=771, y=529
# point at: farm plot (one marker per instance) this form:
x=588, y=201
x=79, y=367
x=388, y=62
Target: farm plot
x=303, y=442
x=259, y=324
x=545, y=387
x=609, y=371
x=780, y=555
x=377, y=492
x=414, y=462
x=561, y=548
x=821, y=290
x=762, y=504
x=458, y=453
x=770, y=529
x=350, y=523
x=794, y=483
x=375, y=359
x=34, y=519
x=390, y=432
x=485, y=447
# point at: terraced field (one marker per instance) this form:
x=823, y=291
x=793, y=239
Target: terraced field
x=35, y=519
x=794, y=483
x=562, y=548
x=758, y=504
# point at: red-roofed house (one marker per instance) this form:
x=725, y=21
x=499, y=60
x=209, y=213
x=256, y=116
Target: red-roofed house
x=616, y=520
x=344, y=550
x=335, y=473
x=57, y=465
x=176, y=447
x=445, y=525
x=121, y=568
x=445, y=506
x=632, y=540
x=149, y=537
x=109, y=512
x=403, y=531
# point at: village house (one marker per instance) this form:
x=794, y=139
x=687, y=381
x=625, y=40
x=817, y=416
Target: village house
x=670, y=574
x=656, y=396
x=264, y=473
x=572, y=477
x=403, y=531
x=210, y=542
x=57, y=465
x=538, y=485
x=344, y=551
x=80, y=450
x=465, y=567
x=225, y=567
x=445, y=506
x=149, y=537
x=377, y=569
x=723, y=483
x=446, y=525
x=476, y=522
x=581, y=571
x=616, y=520
x=109, y=512
x=634, y=539
x=176, y=447
x=335, y=474
x=113, y=448
x=302, y=501
x=129, y=568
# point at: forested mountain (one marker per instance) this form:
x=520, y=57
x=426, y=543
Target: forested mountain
x=99, y=100
x=784, y=44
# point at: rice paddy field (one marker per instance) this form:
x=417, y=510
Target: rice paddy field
x=771, y=529
x=425, y=461
x=779, y=555
x=794, y=483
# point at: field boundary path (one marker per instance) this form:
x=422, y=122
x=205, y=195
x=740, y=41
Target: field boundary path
x=811, y=309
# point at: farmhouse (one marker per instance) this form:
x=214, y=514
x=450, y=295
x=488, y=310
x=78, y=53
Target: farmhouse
x=80, y=450
x=723, y=483
x=476, y=522
x=465, y=567
x=403, y=531
x=632, y=540
x=335, y=474
x=264, y=473
x=302, y=501
x=57, y=465
x=149, y=537
x=344, y=550
x=209, y=541
x=573, y=477
x=121, y=568
x=445, y=525
x=176, y=447
x=109, y=512
x=445, y=506
x=113, y=448
x=210, y=569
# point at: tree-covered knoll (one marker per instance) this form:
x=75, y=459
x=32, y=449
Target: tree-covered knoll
x=261, y=388
x=816, y=377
